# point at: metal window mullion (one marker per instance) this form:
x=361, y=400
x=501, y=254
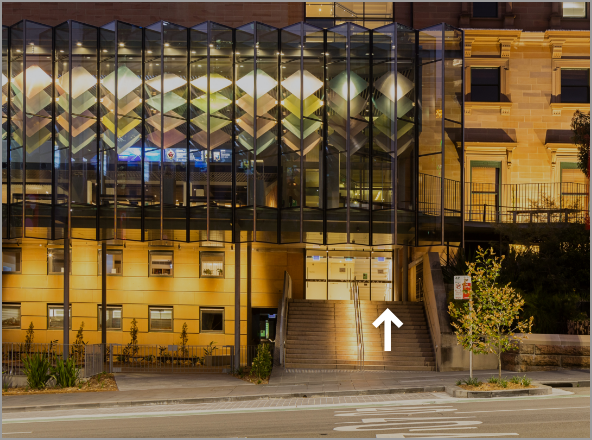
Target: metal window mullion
x=443, y=143
x=462, y=162
x=9, y=133
x=280, y=173
x=416, y=140
x=254, y=237
x=98, y=149
x=143, y=135
x=188, y=157
x=24, y=147
x=302, y=171
x=234, y=237
x=208, y=146
x=395, y=161
x=371, y=141
x=53, y=131
x=347, y=132
x=162, y=162
x=325, y=139
x=116, y=126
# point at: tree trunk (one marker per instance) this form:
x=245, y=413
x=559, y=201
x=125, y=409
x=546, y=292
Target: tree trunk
x=499, y=358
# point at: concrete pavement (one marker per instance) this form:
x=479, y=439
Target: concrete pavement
x=139, y=389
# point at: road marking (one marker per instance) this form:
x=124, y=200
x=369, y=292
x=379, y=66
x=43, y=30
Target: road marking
x=521, y=409
x=11, y=433
x=445, y=435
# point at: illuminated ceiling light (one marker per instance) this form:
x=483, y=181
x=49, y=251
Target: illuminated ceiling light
x=61, y=51
x=264, y=83
x=192, y=51
x=166, y=44
x=78, y=44
x=104, y=50
x=217, y=82
x=18, y=50
x=311, y=84
x=211, y=45
x=121, y=45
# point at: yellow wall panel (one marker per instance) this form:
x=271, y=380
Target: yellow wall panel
x=34, y=308
x=192, y=326
x=186, y=312
x=135, y=311
x=84, y=309
x=142, y=323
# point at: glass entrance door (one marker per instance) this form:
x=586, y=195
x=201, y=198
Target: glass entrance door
x=329, y=274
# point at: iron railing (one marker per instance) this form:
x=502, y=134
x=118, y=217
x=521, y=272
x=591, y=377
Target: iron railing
x=355, y=295
x=561, y=202
x=89, y=358
x=282, y=321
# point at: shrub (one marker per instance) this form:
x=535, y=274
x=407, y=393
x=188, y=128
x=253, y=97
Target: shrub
x=184, y=339
x=526, y=382
x=209, y=350
x=493, y=380
x=262, y=363
x=516, y=380
x=503, y=383
x=65, y=372
x=36, y=367
x=132, y=348
x=29, y=337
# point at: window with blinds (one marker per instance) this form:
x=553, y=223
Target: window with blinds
x=113, y=318
x=211, y=320
x=161, y=319
x=11, y=260
x=211, y=264
x=161, y=263
x=55, y=317
x=11, y=316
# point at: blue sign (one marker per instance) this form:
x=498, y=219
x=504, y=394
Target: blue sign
x=380, y=259
x=316, y=258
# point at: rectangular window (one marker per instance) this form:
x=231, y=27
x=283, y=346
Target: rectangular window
x=113, y=318
x=161, y=319
x=11, y=260
x=211, y=264
x=574, y=188
x=55, y=317
x=161, y=263
x=485, y=190
x=114, y=262
x=55, y=261
x=485, y=84
x=11, y=316
x=211, y=320
x=575, y=85
x=484, y=9
x=574, y=9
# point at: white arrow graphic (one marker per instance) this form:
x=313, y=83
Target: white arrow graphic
x=387, y=317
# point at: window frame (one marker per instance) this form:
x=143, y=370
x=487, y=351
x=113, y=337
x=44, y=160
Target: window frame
x=171, y=308
x=156, y=252
x=20, y=262
x=13, y=305
x=99, y=315
x=572, y=17
x=223, y=276
x=58, y=306
x=49, y=258
x=497, y=13
x=499, y=82
x=109, y=251
x=487, y=164
x=561, y=84
x=215, y=309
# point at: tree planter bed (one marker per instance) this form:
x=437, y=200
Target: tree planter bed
x=536, y=390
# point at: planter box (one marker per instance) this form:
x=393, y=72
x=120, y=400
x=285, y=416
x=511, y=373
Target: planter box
x=217, y=361
x=459, y=392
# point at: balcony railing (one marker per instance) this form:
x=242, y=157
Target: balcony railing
x=509, y=203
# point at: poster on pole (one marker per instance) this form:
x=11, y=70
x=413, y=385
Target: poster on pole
x=462, y=287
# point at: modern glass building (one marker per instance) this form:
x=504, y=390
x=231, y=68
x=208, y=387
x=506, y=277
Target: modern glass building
x=344, y=136
x=153, y=144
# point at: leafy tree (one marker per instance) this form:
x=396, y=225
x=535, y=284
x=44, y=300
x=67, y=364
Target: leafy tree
x=580, y=126
x=263, y=362
x=79, y=344
x=29, y=337
x=132, y=347
x=493, y=311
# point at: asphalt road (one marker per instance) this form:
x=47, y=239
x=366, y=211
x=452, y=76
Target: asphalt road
x=559, y=416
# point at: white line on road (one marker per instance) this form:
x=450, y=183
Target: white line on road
x=521, y=409
x=11, y=433
x=445, y=435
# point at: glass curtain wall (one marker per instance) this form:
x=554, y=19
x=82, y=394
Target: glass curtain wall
x=166, y=128
x=210, y=160
x=256, y=147
x=348, y=146
x=76, y=128
x=440, y=139
x=302, y=100
x=5, y=128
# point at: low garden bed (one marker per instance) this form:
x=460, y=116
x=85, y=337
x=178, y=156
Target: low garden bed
x=495, y=387
x=97, y=383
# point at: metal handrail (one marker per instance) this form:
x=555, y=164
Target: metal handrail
x=358, y=315
x=280, y=345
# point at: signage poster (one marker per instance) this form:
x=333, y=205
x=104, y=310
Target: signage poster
x=462, y=287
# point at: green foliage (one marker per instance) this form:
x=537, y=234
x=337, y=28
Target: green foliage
x=65, y=372
x=488, y=323
x=516, y=380
x=552, y=281
x=472, y=381
x=132, y=348
x=503, y=383
x=184, y=351
x=262, y=363
x=526, y=382
x=29, y=337
x=209, y=350
x=493, y=380
x=580, y=126
x=37, y=369
x=239, y=372
x=456, y=265
x=79, y=344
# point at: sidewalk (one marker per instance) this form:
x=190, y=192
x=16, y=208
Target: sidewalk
x=163, y=389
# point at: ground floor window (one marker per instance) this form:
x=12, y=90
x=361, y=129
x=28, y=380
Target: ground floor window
x=11, y=316
x=11, y=260
x=113, y=318
x=160, y=319
x=485, y=189
x=55, y=317
x=211, y=320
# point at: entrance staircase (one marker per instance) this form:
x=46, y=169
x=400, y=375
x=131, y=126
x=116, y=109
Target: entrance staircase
x=322, y=335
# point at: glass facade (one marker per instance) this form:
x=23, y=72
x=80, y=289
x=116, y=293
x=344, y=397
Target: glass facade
x=346, y=135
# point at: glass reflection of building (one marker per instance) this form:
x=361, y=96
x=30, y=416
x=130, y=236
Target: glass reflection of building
x=339, y=136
